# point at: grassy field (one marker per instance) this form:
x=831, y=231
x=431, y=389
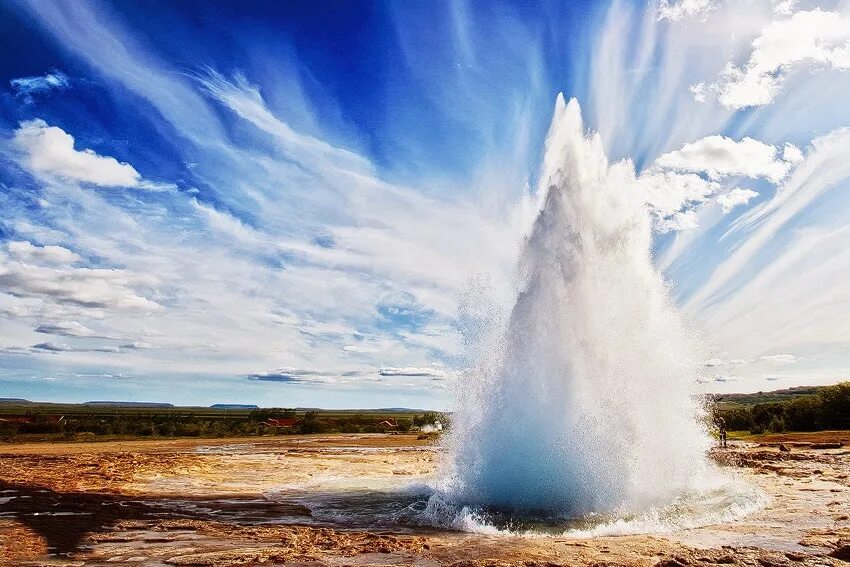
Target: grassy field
x=829, y=436
x=45, y=408
x=811, y=408
x=22, y=421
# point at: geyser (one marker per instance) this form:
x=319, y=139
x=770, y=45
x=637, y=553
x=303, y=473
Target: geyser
x=586, y=405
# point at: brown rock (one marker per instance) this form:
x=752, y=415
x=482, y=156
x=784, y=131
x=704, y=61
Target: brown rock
x=674, y=561
x=842, y=551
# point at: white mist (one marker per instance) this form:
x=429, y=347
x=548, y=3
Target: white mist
x=588, y=403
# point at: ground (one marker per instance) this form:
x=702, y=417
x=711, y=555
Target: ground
x=312, y=500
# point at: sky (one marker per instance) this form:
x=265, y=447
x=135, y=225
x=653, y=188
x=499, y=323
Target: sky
x=321, y=203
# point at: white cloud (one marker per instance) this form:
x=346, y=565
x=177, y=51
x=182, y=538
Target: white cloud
x=50, y=347
x=815, y=38
x=112, y=49
x=309, y=376
x=780, y=358
x=681, y=9
x=413, y=372
x=783, y=289
x=728, y=363
x=773, y=359
x=671, y=197
x=246, y=101
x=674, y=186
x=720, y=156
x=792, y=154
x=666, y=192
x=50, y=150
x=359, y=349
x=30, y=253
x=228, y=225
x=26, y=87
x=681, y=221
x=699, y=91
x=65, y=329
x=53, y=348
x=83, y=287
x=824, y=167
x=721, y=378
x=784, y=7
x=734, y=198
x=243, y=284
x=291, y=376
x=795, y=303
x=292, y=284
x=779, y=288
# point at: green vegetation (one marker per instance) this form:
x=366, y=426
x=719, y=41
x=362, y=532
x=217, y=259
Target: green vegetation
x=796, y=409
x=814, y=408
x=23, y=421
x=764, y=397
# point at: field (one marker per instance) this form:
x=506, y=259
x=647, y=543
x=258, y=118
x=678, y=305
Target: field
x=338, y=499
x=809, y=408
x=22, y=421
x=98, y=484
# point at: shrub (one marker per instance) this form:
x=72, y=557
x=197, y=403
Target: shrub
x=776, y=425
x=829, y=408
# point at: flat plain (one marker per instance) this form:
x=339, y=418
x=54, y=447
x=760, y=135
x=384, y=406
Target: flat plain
x=359, y=499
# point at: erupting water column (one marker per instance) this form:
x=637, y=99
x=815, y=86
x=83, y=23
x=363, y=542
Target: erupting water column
x=587, y=405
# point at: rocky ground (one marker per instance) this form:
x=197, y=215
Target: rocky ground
x=242, y=502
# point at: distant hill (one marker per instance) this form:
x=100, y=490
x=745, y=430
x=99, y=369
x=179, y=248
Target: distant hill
x=765, y=397
x=363, y=410
x=14, y=401
x=129, y=404
x=234, y=406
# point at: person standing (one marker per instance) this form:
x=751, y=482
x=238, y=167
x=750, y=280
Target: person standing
x=721, y=429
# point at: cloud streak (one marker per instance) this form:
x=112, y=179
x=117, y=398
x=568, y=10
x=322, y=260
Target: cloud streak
x=27, y=87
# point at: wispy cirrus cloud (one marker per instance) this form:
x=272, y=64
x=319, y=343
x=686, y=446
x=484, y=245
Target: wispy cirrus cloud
x=296, y=254
x=27, y=87
x=65, y=329
x=822, y=169
x=320, y=240
x=680, y=9
x=437, y=373
x=292, y=376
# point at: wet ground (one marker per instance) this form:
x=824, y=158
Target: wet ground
x=359, y=500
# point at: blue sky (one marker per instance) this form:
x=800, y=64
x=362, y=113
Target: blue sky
x=319, y=204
